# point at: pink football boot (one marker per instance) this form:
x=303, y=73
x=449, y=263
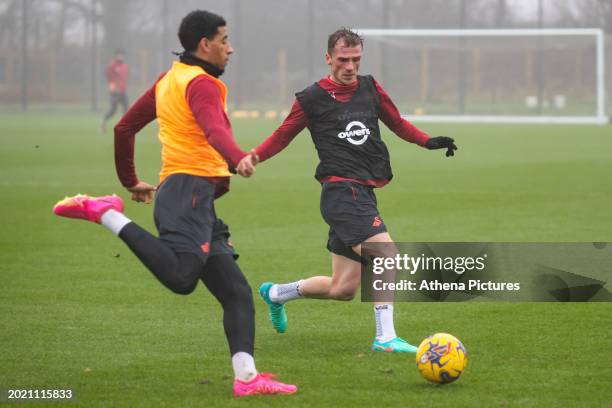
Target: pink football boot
x=263, y=384
x=87, y=208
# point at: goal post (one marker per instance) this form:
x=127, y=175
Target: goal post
x=579, y=55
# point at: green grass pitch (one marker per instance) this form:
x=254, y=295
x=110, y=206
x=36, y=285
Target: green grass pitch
x=79, y=311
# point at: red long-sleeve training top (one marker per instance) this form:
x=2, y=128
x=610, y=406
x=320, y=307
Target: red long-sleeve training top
x=203, y=97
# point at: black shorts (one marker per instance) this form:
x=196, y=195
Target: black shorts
x=350, y=211
x=186, y=220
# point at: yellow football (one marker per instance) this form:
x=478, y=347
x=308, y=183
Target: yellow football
x=441, y=358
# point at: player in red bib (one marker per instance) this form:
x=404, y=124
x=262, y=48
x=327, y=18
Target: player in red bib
x=341, y=112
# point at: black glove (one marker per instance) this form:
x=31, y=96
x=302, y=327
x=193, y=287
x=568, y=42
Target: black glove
x=442, y=142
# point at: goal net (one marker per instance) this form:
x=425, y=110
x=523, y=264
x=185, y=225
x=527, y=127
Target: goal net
x=491, y=75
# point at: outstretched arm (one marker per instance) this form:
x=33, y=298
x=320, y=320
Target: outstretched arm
x=293, y=124
x=391, y=117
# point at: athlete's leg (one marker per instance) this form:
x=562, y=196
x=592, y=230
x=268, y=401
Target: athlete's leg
x=178, y=272
x=184, y=217
x=123, y=101
x=350, y=211
x=221, y=275
x=387, y=251
x=342, y=285
x=114, y=101
x=224, y=279
x=113, y=108
x=345, y=279
x=386, y=338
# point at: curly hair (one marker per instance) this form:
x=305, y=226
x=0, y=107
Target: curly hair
x=197, y=25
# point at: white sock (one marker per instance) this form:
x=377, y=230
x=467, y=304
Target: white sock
x=284, y=292
x=385, y=330
x=114, y=221
x=244, y=366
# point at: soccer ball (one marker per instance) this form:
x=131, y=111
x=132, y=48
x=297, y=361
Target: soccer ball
x=441, y=358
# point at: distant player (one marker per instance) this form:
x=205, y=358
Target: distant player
x=116, y=78
x=341, y=112
x=189, y=103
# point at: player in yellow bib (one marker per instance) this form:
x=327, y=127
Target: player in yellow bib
x=198, y=156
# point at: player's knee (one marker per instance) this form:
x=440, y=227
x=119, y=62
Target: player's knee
x=183, y=286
